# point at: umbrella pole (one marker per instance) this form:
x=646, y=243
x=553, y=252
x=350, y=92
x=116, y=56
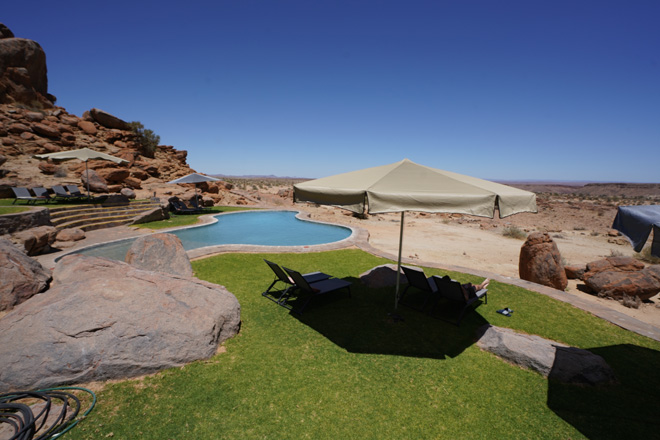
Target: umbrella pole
x=87, y=179
x=398, y=265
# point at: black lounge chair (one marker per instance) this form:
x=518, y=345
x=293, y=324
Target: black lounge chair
x=453, y=291
x=21, y=193
x=418, y=280
x=40, y=191
x=195, y=205
x=74, y=191
x=318, y=288
x=62, y=194
x=282, y=277
x=178, y=207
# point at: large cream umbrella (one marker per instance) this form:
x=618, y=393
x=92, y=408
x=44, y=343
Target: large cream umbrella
x=407, y=186
x=84, y=154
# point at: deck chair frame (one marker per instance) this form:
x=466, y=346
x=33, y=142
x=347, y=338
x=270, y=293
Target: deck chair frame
x=318, y=288
x=418, y=280
x=282, y=277
x=453, y=291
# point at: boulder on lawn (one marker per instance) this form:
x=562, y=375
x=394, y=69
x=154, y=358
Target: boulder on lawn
x=550, y=358
x=22, y=277
x=160, y=253
x=382, y=276
x=104, y=319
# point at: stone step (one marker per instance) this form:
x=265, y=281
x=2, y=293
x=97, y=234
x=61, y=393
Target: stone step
x=98, y=213
x=92, y=217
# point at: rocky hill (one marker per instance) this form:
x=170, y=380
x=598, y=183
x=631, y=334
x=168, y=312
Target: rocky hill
x=30, y=124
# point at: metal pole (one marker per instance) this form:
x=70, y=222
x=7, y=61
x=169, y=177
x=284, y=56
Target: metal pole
x=87, y=179
x=398, y=266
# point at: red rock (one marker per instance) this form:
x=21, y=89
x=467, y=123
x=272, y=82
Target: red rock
x=108, y=120
x=540, y=262
x=47, y=168
x=69, y=120
x=46, y=130
x=575, y=272
x=132, y=182
x=27, y=135
x=18, y=128
x=51, y=148
x=88, y=127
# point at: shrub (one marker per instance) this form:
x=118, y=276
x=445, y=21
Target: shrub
x=147, y=139
x=514, y=232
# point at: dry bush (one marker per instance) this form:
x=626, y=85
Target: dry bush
x=514, y=232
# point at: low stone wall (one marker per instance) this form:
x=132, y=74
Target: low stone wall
x=21, y=221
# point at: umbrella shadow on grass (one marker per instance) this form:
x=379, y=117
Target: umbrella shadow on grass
x=367, y=323
x=625, y=409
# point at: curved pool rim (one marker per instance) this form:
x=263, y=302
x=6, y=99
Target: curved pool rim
x=207, y=251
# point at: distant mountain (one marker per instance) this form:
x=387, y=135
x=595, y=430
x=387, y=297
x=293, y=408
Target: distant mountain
x=257, y=176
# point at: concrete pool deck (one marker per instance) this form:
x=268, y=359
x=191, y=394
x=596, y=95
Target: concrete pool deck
x=359, y=239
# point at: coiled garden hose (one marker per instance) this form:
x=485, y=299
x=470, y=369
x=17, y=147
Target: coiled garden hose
x=18, y=415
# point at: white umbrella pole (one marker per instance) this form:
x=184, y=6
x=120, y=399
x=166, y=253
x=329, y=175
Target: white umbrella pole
x=398, y=266
x=87, y=179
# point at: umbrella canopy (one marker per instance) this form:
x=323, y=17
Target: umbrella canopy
x=84, y=154
x=194, y=178
x=407, y=186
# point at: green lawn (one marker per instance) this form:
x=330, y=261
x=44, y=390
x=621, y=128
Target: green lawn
x=346, y=370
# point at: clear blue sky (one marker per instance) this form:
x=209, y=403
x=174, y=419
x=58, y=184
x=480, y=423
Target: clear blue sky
x=505, y=90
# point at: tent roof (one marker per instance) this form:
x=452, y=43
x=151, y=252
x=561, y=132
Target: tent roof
x=407, y=186
x=636, y=223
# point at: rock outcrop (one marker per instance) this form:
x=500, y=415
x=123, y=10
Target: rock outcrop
x=104, y=319
x=160, y=253
x=22, y=277
x=23, y=73
x=30, y=124
x=551, y=359
x=620, y=277
x=540, y=262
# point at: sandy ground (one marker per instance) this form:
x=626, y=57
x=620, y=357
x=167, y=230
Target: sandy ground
x=433, y=238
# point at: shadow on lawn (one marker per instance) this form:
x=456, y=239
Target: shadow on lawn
x=627, y=409
x=365, y=323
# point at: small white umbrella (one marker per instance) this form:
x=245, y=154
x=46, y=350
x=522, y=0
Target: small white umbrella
x=194, y=178
x=84, y=154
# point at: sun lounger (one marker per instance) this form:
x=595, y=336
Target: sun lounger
x=280, y=296
x=318, y=288
x=418, y=280
x=74, y=191
x=453, y=291
x=178, y=207
x=62, y=194
x=21, y=193
x=42, y=192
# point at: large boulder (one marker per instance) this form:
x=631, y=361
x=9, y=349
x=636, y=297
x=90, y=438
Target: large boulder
x=22, y=277
x=540, y=262
x=153, y=215
x=620, y=277
x=107, y=120
x=160, y=253
x=96, y=182
x=105, y=319
x=35, y=241
x=549, y=358
x=23, y=73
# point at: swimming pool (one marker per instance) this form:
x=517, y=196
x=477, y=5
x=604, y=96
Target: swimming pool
x=264, y=228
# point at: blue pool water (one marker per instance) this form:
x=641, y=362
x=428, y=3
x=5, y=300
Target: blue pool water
x=265, y=228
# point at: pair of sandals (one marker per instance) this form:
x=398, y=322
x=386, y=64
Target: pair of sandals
x=506, y=312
